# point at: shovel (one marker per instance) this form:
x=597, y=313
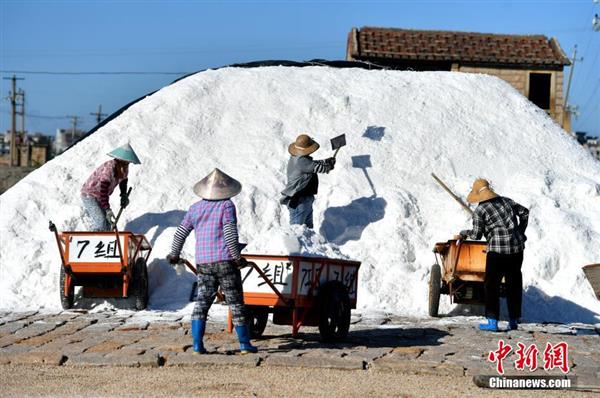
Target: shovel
x=337, y=143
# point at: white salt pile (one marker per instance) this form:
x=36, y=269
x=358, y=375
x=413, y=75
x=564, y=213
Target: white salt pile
x=379, y=206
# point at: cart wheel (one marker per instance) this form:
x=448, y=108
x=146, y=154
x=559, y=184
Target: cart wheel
x=66, y=302
x=140, y=284
x=435, y=282
x=334, y=311
x=257, y=319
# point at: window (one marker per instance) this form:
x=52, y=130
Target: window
x=539, y=89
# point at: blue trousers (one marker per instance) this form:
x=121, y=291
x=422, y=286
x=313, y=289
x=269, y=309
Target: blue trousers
x=96, y=216
x=303, y=213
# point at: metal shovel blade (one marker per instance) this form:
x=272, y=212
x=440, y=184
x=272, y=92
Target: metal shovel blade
x=338, y=142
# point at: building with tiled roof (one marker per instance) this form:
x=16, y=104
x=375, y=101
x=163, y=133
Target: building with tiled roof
x=532, y=64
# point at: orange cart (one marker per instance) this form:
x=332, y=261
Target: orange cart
x=300, y=291
x=105, y=264
x=459, y=271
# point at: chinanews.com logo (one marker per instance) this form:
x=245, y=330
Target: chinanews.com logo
x=529, y=359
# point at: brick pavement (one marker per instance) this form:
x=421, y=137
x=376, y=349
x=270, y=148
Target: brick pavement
x=446, y=347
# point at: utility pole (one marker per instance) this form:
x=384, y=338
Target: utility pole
x=568, y=109
x=573, y=60
x=21, y=133
x=74, y=120
x=13, y=133
x=21, y=95
x=98, y=114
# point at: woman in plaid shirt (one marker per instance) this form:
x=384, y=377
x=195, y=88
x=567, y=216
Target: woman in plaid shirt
x=503, y=222
x=218, y=255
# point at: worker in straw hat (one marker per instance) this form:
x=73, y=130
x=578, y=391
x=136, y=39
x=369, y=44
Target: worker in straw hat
x=302, y=180
x=218, y=257
x=503, y=222
x=101, y=184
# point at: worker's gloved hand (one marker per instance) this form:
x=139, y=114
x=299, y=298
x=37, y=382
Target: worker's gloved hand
x=173, y=259
x=241, y=262
x=330, y=161
x=124, y=200
x=464, y=234
x=124, y=195
x=110, y=217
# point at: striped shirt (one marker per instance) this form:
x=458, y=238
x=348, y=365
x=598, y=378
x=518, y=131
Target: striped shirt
x=215, y=224
x=496, y=219
x=101, y=184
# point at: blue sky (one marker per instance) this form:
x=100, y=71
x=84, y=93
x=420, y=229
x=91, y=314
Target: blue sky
x=186, y=36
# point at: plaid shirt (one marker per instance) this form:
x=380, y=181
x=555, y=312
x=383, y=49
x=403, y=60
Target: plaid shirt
x=496, y=219
x=207, y=218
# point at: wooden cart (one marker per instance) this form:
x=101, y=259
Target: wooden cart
x=592, y=272
x=459, y=271
x=106, y=264
x=300, y=291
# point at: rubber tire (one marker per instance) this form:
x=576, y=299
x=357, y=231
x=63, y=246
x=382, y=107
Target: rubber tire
x=66, y=302
x=140, y=284
x=435, y=285
x=257, y=320
x=334, y=311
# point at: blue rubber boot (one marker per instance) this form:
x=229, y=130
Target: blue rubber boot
x=244, y=337
x=513, y=324
x=198, y=327
x=491, y=325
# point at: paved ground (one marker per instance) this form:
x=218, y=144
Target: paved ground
x=425, y=355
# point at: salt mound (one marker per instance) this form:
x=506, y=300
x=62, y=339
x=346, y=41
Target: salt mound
x=379, y=206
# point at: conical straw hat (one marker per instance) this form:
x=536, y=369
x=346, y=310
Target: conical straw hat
x=481, y=191
x=125, y=153
x=217, y=186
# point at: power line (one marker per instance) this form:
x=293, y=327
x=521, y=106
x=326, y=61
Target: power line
x=29, y=115
x=591, y=97
x=29, y=72
x=182, y=50
x=589, y=114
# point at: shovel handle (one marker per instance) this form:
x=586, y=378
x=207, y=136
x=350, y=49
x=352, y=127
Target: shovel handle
x=335, y=153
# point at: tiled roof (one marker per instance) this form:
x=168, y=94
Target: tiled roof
x=462, y=47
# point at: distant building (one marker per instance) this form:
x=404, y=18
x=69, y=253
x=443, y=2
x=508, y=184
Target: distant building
x=591, y=143
x=532, y=64
x=32, y=150
x=4, y=143
x=35, y=150
x=5, y=149
x=65, y=138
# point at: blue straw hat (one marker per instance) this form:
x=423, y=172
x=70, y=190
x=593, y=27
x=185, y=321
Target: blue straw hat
x=125, y=153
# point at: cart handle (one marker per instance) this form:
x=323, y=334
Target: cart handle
x=189, y=265
x=52, y=228
x=220, y=295
x=255, y=267
x=268, y=281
